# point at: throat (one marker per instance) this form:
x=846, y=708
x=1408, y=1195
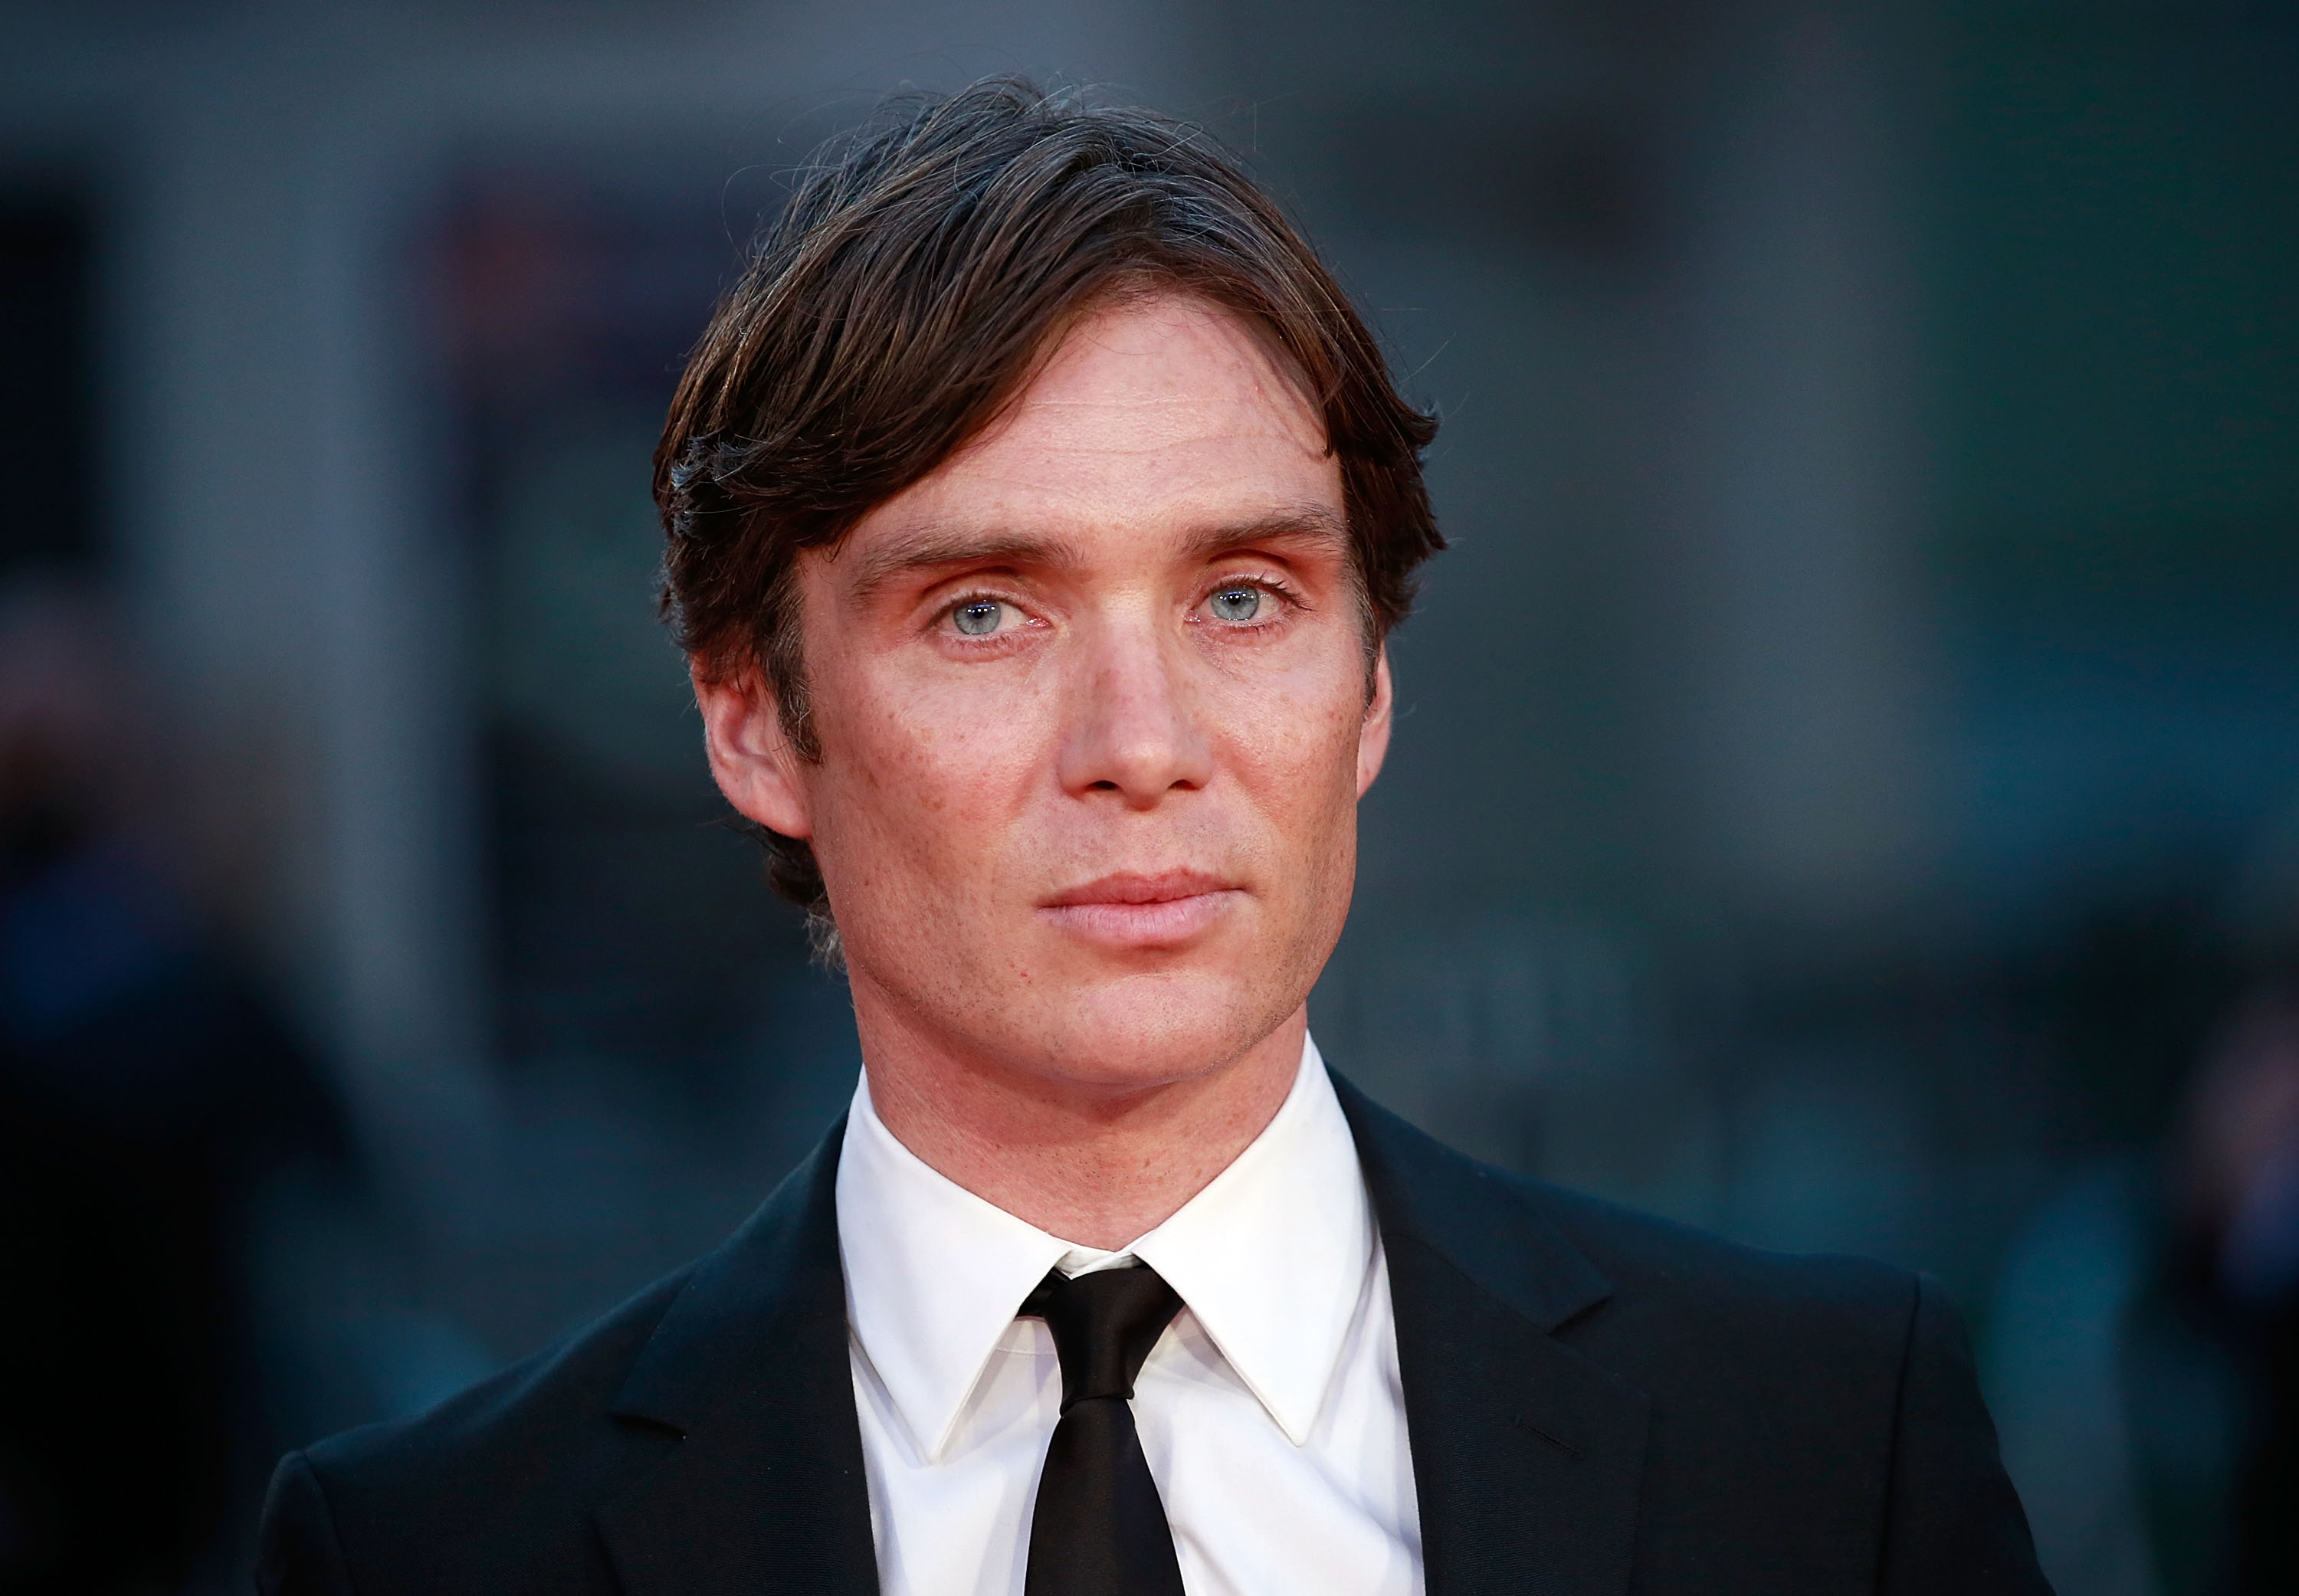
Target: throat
x=1099, y=1170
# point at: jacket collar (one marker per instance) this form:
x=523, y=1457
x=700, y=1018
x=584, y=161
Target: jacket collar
x=765, y=1492
x=1526, y=1455
x=1472, y=1214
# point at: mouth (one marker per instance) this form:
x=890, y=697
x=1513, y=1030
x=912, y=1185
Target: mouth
x=1127, y=909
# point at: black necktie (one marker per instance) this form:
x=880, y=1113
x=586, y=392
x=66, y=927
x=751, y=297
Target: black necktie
x=1099, y=1528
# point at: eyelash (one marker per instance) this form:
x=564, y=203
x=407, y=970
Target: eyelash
x=1276, y=587
x=945, y=615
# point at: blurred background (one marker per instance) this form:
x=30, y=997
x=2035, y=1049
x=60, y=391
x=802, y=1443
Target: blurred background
x=1846, y=795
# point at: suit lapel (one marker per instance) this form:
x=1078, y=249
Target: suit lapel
x=765, y=1491
x=1526, y=1456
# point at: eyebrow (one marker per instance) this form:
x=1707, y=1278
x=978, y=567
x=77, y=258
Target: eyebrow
x=1310, y=523
x=928, y=550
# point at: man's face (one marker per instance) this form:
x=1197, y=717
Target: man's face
x=1095, y=718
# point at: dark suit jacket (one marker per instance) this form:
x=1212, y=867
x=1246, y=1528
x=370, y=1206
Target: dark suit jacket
x=1598, y=1402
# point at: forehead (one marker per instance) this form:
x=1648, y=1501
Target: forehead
x=1159, y=414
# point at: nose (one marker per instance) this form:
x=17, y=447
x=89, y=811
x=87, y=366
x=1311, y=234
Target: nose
x=1134, y=715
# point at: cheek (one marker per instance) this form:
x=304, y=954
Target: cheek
x=932, y=771
x=1293, y=743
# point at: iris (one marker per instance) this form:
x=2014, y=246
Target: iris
x=978, y=617
x=1237, y=603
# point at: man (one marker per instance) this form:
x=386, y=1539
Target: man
x=1037, y=509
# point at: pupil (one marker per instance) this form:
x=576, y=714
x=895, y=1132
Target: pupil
x=977, y=620
x=1237, y=603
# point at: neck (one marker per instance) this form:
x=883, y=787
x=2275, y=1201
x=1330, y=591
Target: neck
x=1097, y=1163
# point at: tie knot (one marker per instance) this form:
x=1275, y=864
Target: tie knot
x=1104, y=1325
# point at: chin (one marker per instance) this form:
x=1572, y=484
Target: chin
x=1152, y=1029
x=1060, y=1007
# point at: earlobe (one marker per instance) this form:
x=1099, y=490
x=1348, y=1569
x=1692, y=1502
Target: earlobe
x=750, y=756
x=1373, y=735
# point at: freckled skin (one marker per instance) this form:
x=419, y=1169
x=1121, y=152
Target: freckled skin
x=1089, y=1069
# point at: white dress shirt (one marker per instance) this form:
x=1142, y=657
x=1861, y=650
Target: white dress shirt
x=1270, y=1410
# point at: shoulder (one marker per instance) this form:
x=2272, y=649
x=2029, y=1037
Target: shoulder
x=504, y=1488
x=1813, y=1410
x=1663, y=1270
x=1587, y=1268
x=1776, y=1385
x=553, y=1397
x=503, y=1474
x=1707, y=1324
x=1777, y=1382
x=1725, y=1339
x=1802, y=1422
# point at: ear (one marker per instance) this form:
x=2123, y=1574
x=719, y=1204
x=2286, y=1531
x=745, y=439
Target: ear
x=1373, y=736
x=750, y=756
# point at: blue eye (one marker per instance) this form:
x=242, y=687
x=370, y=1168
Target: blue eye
x=978, y=617
x=1236, y=603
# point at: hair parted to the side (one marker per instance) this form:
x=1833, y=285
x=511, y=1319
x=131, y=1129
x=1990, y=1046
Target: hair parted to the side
x=924, y=266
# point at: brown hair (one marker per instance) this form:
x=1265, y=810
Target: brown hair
x=923, y=265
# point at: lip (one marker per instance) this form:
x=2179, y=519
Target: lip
x=1130, y=909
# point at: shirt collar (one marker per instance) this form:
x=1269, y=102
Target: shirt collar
x=1271, y=1259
